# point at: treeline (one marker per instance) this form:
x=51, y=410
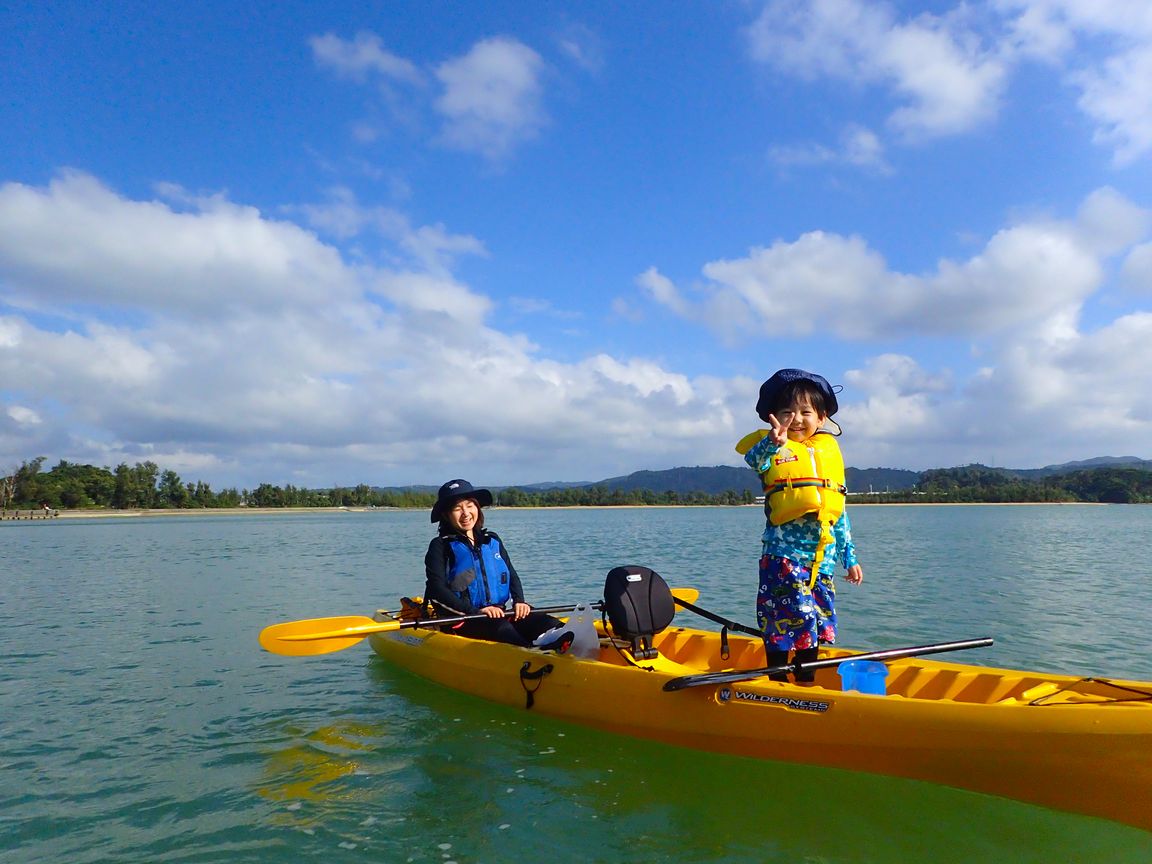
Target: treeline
x=981, y=484
x=145, y=486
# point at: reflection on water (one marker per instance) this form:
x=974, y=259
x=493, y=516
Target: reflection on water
x=304, y=771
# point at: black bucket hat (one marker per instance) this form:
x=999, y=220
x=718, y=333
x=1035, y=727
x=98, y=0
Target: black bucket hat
x=770, y=391
x=453, y=491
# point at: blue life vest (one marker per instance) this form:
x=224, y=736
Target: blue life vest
x=466, y=563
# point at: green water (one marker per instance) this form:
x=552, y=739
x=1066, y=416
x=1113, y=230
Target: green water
x=139, y=720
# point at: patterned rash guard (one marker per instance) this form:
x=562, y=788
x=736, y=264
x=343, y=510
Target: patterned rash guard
x=797, y=540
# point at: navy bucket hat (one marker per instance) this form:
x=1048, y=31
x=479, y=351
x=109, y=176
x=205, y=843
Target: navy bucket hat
x=453, y=491
x=770, y=391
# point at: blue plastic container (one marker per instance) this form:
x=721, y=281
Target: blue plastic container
x=866, y=676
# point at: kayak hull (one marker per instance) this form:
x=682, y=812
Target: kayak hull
x=1080, y=745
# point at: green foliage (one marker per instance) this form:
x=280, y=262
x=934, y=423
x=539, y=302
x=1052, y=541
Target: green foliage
x=979, y=483
x=145, y=486
x=1107, y=485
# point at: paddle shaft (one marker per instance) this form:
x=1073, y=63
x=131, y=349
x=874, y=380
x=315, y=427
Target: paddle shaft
x=889, y=654
x=388, y=626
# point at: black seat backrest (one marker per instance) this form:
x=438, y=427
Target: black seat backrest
x=639, y=605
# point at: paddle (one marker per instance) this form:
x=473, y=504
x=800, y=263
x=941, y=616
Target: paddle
x=706, y=678
x=326, y=635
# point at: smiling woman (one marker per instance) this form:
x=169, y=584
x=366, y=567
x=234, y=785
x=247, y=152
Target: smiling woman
x=469, y=572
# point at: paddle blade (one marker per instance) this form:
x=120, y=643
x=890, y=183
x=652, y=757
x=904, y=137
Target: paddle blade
x=688, y=595
x=320, y=635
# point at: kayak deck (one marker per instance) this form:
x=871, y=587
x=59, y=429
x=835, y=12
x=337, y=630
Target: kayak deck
x=917, y=678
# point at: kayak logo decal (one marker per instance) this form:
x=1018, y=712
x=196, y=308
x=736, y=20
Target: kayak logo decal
x=727, y=694
x=406, y=638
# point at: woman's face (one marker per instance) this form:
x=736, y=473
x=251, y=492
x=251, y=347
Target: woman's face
x=462, y=517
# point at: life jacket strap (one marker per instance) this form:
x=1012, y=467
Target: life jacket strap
x=798, y=482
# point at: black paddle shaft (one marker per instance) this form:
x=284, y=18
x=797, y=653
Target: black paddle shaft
x=457, y=619
x=706, y=678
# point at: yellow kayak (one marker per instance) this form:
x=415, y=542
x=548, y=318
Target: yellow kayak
x=1077, y=744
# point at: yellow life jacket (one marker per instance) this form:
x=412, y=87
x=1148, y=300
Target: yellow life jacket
x=804, y=477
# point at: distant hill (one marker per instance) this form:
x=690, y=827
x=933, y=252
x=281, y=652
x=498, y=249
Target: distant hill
x=554, y=484
x=720, y=478
x=880, y=479
x=1085, y=465
x=724, y=478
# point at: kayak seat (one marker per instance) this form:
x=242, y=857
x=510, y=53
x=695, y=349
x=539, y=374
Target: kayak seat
x=638, y=605
x=413, y=610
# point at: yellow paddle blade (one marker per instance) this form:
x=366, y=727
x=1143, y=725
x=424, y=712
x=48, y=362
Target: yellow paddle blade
x=320, y=635
x=688, y=595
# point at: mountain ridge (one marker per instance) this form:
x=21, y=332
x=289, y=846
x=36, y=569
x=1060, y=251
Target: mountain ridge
x=716, y=479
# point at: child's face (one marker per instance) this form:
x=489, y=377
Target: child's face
x=801, y=419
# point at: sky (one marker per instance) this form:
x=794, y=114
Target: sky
x=330, y=243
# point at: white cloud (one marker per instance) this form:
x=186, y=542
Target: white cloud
x=859, y=147
x=894, y=401
x=948, y=74
x=1137, y=270
x=1104, y=51
x=1021, y=411
x=661, y=289
x=295, y=365
x=1108, y=223
x=582, y=46
x=362, y=58
x=23, y=415
x=1018, y=303
x=945, y=81
x=1035, y=276
x=378, y=372
x=492, y=99
x=951, y=85
x=79, y=243
x=1115, y=95
x=430, y=246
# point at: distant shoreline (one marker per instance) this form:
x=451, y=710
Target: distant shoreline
x=274, y=511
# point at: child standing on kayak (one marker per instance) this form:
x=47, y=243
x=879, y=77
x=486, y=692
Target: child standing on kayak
x=807, y=531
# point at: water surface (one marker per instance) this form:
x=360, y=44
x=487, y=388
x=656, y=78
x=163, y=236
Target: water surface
x=139, y=720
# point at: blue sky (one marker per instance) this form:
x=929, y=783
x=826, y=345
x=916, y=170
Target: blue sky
x=331, y=243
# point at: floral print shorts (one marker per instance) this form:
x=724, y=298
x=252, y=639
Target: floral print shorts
x=791, y=611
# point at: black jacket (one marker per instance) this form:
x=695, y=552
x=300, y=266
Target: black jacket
x=438, y=566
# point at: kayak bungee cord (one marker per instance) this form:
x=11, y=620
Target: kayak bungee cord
x=1046, y=700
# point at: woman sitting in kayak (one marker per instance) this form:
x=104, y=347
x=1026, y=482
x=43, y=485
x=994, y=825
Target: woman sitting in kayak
x=469, y=572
